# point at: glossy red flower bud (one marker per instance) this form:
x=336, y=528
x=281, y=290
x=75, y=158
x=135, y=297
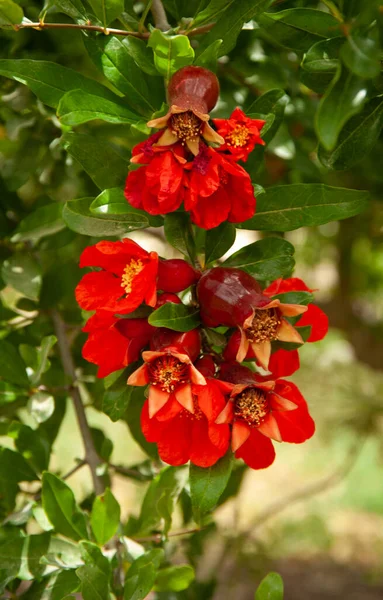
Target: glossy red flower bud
x=194, y=87
x=226, y=296
x=185, y=343
x=233, y=372
x=176, y=275
x=167, y=297
x=206, y=366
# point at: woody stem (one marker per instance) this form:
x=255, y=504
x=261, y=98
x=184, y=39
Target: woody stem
x=159, y=15
x=39, y=26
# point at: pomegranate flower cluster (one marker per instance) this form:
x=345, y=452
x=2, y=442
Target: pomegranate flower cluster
x=193, y=160
x=201, y=402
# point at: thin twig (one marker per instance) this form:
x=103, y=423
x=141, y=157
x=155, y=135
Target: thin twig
x=91, y=456
x=76, y=468
x=157, y=537
x=159, y=15
x=134, y=473
x=312, y=489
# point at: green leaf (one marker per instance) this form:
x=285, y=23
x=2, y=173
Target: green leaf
x=179, y=233
x=42, y=366
x=114, y=60
x=113, y=202
x=10, y=13
x=23, y=273
x=12, y=367
x=160, y=500
x=142, y=574
x=102, y=163
x=357, y=137
x=50, y=81
x=37, y=547
x=174, y=579
x=360, y=54
x=322, y=57
x=41, y=406
x=272, y=102
x=270, y=588
x=230, y=24
x=105, y=517
x=61, y=509
x=73, y=8
x=107, y=10
x=117, y=397
x=209, y=57
x=218, y=241
x=207, y=485
x=303, y=298
x=212, y=12
x=267, y=259
x=133, y=420
x=344, y=97
x=59, y=585
x=78, y=107
x=171, y=52
x=175, y=316
x=288, y=207
x=43, y=221
x=95, y=574
x=299, y=28
x=10, y=559
x=141, y=54
x=14, y=467
x=31, y=444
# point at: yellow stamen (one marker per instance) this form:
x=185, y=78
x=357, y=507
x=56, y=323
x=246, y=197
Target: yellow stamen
x=265, y=326
x=252, y=406
x=131, y=270
x=238, y=137
x=167, y=372
x=186, y=126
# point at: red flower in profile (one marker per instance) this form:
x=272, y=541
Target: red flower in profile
x=218, y=190
x=114, y=343
x=127, y=277
x=168, y=369
x=241, y=134
x=182, y=435
x=231, y=297
x=263, y=411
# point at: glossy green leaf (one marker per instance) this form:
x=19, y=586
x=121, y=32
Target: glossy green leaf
x=61, y=509
x=357, y=137
x=212, y=12
x=10, y=558
x=344, y=97
x=229, y=25
x=95, y=574
x=59, y=585
x=270, y=588
x=102, y=163
x=23, y=273
x=36, y=548
x=175, y=316
x=207, y=485
x=361, y=56
x=31, y=444
x=133, y=420
x=209, y=57
x=117, y=397
x=160, y=500
x=78, y=107
x=43, y=351
x=288, y=207
x=323, y=57
x=171, y=52
x=303, y=298
x=174, y=579
x=107, y=10
x=113, y=58
x=267, y=259
x=105, y=517
x=179, y=233
x=72, y=8
x=113, y=202
x=299, y=28
x=50, y=81
x=10, y=13
x=12, y=367
x=141, y=54
x=41, y=406
x=218, y=241
x=272, y=102
x=43, y=221
x=142, y=574
x=14, y=467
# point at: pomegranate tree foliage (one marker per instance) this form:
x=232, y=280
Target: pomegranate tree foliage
x=74, y=104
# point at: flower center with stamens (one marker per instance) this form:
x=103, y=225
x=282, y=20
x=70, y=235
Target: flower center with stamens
x=197, y=415
x=131, y=270
x=252, y=406
x=186, y=126
x=238, y=137
x=167, y=372
x=264, y=326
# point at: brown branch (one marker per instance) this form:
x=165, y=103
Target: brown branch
x=159, y=15
x=157, y=537
x=134, y=473
x=91, y=457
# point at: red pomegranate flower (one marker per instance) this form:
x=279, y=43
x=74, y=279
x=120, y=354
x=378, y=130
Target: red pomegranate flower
x=218, y=190
x=241, y=134
x=193, y=93
x=263, y=411
x=182, y=435
x=126, y=279
x=168, y=369
x=114, y=343
x=231, y=297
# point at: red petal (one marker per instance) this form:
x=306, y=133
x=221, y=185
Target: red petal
x=283, y=363
x=135, y=183
x=99, y=290
x=157, y=399
x=257, y=452
x=318, y=321
x=151, y=428
x=295, y=426
x=239, y=435
x=270, y=428
x=203, y=452
x=106, y=348
x=139, y=377
x=292, y=284
x=184, y=397
x=211, y=211
x=243, y=202
x=210, y=399
x=174, y=445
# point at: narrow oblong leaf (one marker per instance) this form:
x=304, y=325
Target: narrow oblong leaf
x=117, y=397
x=174, y=579
x=175, y=316
x=77, y=216
x=209, y=57
x=270, y=588
x=323, y=57
x=266, y=259
x=107, y=10
x=14, y=468
x=61, y=509
x=105, y=517
x=142, y=574
x=179, y=233
x=171, y=52
x=22, y=272
x=218, y=241
x=95, y=574
x=78, y=107
x=113, y=202
x=272, y=102
x=360, y=54
x=12, y=366
x=288, y=207
x=10, y=13
x=43, y=221
x=207, y=485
